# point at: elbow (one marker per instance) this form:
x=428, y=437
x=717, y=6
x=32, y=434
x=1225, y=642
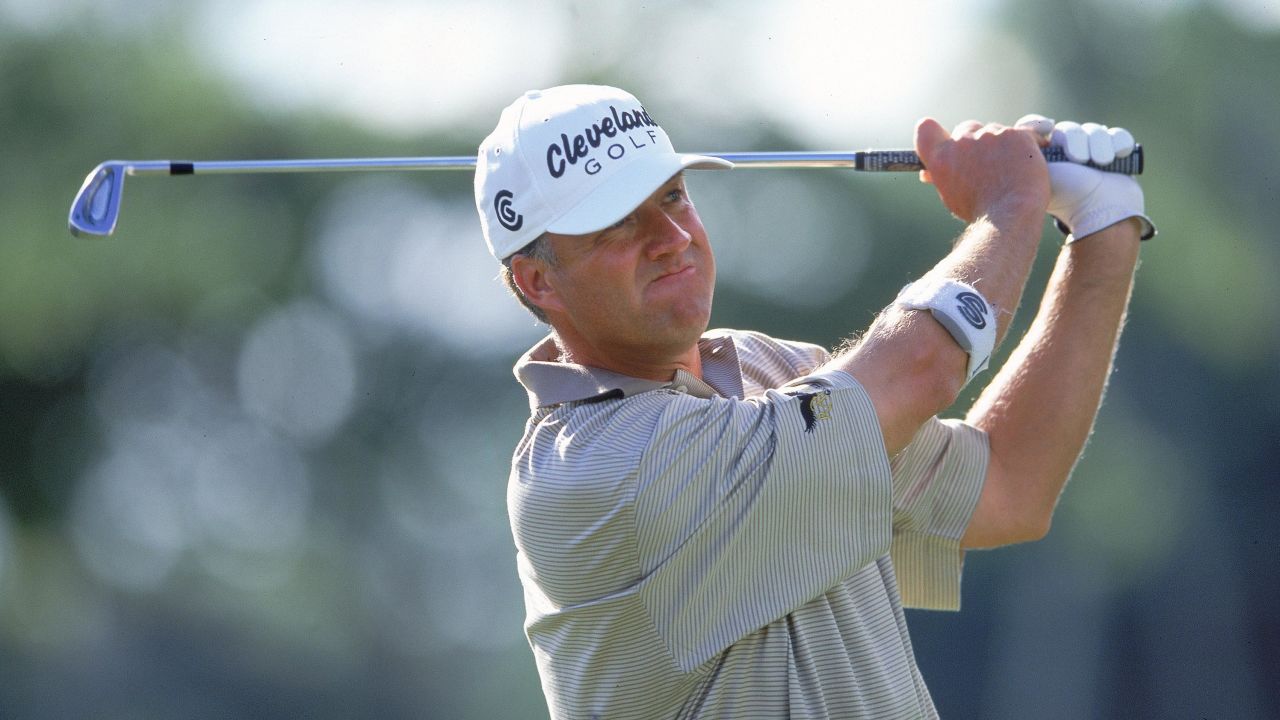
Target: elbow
x=1010, y=510
x=1032, y=529
x=1013, y=530
x=1033, y=522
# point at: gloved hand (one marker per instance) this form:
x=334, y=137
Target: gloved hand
x=1086, y=200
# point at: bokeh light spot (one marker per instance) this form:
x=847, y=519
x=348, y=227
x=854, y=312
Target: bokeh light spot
x=297, y=372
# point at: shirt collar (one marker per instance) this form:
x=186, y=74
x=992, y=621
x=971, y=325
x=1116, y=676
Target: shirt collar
x=549, y=381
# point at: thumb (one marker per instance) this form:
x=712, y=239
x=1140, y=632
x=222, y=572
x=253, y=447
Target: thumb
x=929, y=135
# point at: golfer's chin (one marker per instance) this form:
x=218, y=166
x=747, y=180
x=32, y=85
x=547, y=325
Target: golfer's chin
x=682, y=302
x=682, y=326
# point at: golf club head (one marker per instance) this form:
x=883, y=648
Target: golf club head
x=97, y=205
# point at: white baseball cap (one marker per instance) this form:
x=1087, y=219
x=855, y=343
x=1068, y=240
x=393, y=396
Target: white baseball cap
x=572, y=159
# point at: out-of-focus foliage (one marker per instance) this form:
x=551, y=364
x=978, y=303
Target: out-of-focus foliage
x=1198, y=88
x=226, y=492
x=254, y=446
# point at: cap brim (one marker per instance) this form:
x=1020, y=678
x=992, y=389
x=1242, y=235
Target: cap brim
x=618, y=196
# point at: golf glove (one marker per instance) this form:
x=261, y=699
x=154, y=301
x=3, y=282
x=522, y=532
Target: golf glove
x=1085, y=200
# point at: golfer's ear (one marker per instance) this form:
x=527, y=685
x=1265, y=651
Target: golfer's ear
x=532, y=277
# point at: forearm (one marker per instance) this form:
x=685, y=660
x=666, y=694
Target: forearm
x=909, y=364
x=995, y=255
x=993, y=178
x=1039, y=410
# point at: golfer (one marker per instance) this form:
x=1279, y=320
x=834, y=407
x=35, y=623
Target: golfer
x=727, y=525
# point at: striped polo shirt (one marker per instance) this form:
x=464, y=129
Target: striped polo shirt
x=735, y=546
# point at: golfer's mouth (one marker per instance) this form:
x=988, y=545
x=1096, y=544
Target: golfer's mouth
x=681, y=272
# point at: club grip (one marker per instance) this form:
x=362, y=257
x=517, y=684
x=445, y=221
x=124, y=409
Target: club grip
x=907, y=160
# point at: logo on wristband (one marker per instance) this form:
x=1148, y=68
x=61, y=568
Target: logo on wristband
x=973, y=308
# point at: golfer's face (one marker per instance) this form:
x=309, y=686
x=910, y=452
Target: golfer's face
x=644, y=284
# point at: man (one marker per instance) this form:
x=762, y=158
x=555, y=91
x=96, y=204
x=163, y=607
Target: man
x=726, y=525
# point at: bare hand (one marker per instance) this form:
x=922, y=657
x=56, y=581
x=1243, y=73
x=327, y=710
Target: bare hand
x=984, y=169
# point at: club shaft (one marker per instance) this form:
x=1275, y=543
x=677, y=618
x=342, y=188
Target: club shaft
x=865, y=160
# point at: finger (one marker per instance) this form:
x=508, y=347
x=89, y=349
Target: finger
x=994, y=128
x=1122, y=141
x=1072, y=139
x=968, y=127
x=929, y=135
x=1039, y=124
x=1101, y=151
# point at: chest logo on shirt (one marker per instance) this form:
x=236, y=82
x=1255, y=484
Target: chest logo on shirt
x=815, y=407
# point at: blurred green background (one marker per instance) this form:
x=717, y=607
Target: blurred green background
x=253, y=447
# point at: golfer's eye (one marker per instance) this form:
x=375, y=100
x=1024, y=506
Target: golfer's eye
x=608, y=232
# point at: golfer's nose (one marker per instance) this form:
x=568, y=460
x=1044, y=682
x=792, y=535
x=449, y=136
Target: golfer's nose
x=664, y=234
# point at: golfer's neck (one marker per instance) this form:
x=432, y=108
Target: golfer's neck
x=646, y=362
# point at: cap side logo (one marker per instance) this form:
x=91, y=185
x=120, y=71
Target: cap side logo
x=507, y=215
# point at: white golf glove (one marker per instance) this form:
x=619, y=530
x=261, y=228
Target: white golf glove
x=1085, y=200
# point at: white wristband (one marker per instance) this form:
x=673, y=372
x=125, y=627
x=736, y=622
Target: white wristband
x=962, y=311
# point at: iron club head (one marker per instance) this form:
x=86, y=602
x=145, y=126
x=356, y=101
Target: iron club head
x=97, y=205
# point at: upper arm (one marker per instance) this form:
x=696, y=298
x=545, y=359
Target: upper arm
x=747, y=510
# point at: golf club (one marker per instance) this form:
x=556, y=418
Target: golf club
x=97, y=205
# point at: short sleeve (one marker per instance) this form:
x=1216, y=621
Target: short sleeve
x=937, y=480
x=746, y=510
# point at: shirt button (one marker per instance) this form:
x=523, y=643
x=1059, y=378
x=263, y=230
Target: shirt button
x=682, y=388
